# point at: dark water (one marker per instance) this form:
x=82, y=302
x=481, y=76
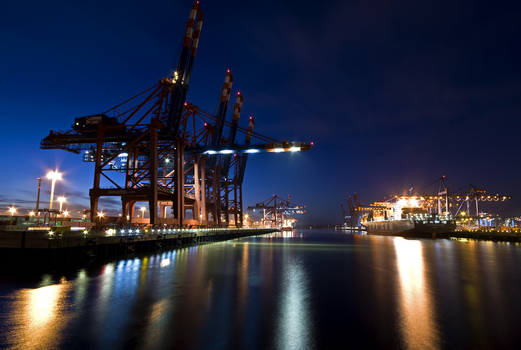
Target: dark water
x=321, y=290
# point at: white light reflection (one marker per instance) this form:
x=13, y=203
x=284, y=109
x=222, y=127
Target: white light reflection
x=294, y=331
x=43, y=303
x=417, y=324
x=165, y=262
x=80, y=289
x=105, y=290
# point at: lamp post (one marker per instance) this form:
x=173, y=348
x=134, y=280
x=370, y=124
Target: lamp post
x=37, y=211
x=142, y=212
x=61, y=200
x=12, y=210
x=53, y=175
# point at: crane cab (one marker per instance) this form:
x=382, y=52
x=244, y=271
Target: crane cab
x=91, y=122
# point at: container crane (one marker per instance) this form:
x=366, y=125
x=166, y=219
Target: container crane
x=170, y=152
x=277, y=212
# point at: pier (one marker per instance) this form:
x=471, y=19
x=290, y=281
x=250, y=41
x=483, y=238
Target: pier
x=47, y=246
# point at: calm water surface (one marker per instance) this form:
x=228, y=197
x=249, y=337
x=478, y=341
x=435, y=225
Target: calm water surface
x=303, y=290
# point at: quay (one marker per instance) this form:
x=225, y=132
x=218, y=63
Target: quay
x=487, y=235
x=48, y=246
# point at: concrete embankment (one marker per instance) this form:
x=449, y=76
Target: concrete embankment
x=25, y=248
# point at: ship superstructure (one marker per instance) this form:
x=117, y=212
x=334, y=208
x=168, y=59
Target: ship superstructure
x=414, y=215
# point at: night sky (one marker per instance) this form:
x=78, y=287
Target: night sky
x=394, y=93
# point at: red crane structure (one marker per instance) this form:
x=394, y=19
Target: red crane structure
x=158, y=148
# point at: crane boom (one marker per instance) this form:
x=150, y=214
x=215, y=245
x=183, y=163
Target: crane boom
x=181, y=78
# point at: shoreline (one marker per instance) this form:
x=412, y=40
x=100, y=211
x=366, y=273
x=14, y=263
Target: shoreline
x=496, y=236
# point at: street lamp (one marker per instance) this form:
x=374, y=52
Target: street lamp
x=12, y=210
x=61, y=200
x=100, y=216
x=142, y=212
x=37, y=211
x=66, y=213
x=53, y=175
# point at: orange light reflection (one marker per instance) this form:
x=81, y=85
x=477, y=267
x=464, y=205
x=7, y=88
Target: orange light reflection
x=418, y=325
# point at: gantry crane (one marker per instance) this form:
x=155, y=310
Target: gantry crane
x=355, y=212
x=277, y=212
x=159, y=148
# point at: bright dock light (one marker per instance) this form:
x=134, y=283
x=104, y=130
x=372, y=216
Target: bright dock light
x=294, y=149
x=12, y=211
x=54, y=176
x=61, y=200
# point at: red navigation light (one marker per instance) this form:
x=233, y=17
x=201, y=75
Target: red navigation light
x=238, y=93
x=235, y=154
x=228, y=70
x=251, y=117
x=312, y=143
x=186, y=104
x=205, y=124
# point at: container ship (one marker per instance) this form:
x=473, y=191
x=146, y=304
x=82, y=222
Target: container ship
x=425, y=215
x=408, y=216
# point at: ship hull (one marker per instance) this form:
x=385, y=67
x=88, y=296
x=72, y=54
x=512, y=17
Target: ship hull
x=407, y=228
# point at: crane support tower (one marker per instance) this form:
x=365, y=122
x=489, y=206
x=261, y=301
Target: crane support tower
x=158, y=148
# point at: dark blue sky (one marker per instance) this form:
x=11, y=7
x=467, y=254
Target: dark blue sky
x=394, y=93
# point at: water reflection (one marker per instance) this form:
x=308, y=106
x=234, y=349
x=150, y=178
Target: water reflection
x=293, y=327
x=242, y=283
x=42, y=303
x=283, y=291
x=39, y=317
x=80, y=289
x=473, y=293
x=418, y=325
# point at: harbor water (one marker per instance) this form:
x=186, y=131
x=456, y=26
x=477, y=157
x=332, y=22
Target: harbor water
x=300, y=290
